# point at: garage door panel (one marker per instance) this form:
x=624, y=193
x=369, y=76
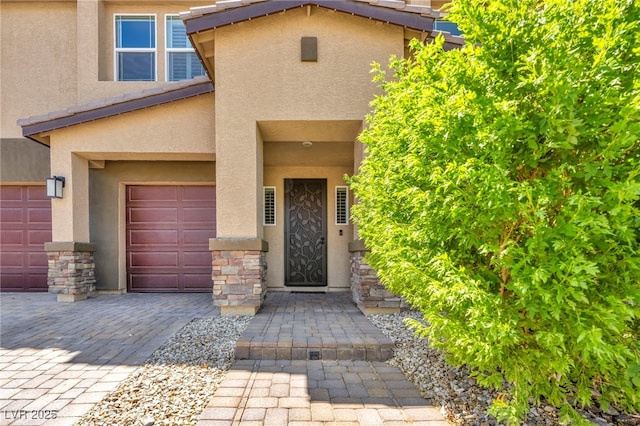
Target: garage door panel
x=34, y=279
x=153, y=238
x=168, y=232
x=25, y=225
x=198, y=282
x=37, y=258
x=13, y=259
x=154, y=282
x=196, y=237
x=199, y=193
x=198, y=215
x=13, y=281
x=12, y=193
x=154, y=259
x=39, y=215
x=9, y=237
x=36, y=192
x=198, y=258
x=38, y=237
x=12, y=216
x=155, y=215
x=153, y=193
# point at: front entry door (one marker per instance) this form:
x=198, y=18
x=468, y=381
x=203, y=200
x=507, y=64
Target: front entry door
x=305, y=232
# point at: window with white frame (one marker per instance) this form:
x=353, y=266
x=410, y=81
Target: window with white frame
x=342, y=205
x=269, y=211
x=135, y=47
x=182, y=63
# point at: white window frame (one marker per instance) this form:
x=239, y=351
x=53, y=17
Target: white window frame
x=346, y=205
x=168, y=49
x=117, y=50
x=264, y=205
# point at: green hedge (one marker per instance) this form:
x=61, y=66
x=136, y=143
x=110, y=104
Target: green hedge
x=500, y=196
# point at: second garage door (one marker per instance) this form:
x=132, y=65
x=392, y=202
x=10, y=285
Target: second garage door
x=168, y=231
x=25, y=225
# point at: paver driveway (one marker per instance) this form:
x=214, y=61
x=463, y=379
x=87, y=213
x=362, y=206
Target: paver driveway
x=59, y=359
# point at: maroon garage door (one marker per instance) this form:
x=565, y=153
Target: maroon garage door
x=168, y=231
x=25, y=225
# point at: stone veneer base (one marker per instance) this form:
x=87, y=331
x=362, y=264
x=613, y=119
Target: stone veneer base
x=239, y=269
x=232, y=311
x=368, y=293
x=71, y=273
x=72, y=297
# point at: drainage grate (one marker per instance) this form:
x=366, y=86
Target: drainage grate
x=314, y=355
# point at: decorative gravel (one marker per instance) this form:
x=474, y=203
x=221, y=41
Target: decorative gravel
x=176, y=383
x=179, y=379
x=463, y=401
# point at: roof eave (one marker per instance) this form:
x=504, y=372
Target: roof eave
x=34, y=130
x=213, y=20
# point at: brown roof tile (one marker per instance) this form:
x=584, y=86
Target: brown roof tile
x=115, y=105
x=231, y=11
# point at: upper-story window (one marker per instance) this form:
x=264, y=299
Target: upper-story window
x=181, y=61
x=448, y=26
x=135, y=47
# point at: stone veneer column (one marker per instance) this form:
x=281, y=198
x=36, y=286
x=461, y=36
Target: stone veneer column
x=71, y=272
x=368, y=293
x=239, y=275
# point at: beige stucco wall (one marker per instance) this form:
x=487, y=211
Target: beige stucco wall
x=259, y=76
x=107, y=207
x=338, y=267
x=182, y=131
x=38, y=70
x=95, y=35
x=23, y=161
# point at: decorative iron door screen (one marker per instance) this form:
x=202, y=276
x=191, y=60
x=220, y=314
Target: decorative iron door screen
x=305, y=232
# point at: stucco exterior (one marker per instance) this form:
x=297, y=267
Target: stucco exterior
x=262, y=116
x=107, y=207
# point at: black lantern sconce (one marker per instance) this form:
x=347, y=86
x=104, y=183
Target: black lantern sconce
x=54, y=186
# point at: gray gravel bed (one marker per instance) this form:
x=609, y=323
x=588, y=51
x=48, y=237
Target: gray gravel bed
x=462, y=400
x=176, y=383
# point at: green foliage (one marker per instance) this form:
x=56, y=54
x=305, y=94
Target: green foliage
x=500, y=196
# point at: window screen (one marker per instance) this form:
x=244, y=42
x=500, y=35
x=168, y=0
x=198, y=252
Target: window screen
x=135, y=47
x=182, y=61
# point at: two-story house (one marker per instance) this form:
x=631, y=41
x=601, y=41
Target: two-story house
x=194, y=147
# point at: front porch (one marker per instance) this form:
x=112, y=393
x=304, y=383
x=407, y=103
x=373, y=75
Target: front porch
x=312, y=326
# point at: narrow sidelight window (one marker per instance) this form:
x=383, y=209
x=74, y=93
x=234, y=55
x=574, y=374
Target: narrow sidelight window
x=135, y=47
x=269, y=218
x=342, y=205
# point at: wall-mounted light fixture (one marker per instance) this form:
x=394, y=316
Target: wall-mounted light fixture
x=54, y=186
x=307, y=144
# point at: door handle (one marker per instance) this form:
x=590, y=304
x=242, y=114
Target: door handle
x=321, y=241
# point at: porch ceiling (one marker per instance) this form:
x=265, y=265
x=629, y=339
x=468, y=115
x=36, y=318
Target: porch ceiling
x=332, y=142
x=310, y=130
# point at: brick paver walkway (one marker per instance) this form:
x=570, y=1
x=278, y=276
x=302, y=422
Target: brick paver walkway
x=296, y=393
x=59, y=359
x=309, y=326
x=62, y=358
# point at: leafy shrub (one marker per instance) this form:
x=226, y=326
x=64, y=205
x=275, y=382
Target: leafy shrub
x=500, y=196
